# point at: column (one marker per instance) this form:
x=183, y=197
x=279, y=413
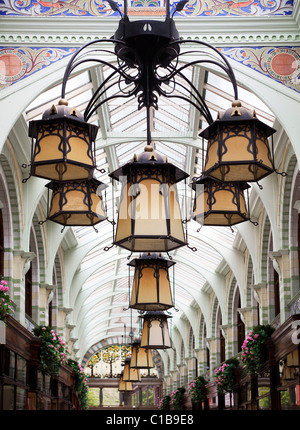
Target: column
x=45, y=291
x=247, y=317
x=191, y=371
x=281, y=259
x=183, y=374
x=101, y=396
x=212, y=342
x=21, y=263
x=61, y=319
x=174, y=382
x=140, y=395
x=261, y=293
x=201, y=357
x=227, y=331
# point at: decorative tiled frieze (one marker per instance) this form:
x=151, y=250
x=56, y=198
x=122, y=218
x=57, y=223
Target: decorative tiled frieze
x=18, y=63
x=85, y=8
x=294, y=305
x=278, y=63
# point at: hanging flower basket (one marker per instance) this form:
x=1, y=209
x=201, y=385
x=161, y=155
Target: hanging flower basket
x=164, y=403
x=80, y=382
x=6, y=307
x=53, y=350
x=225, y=376
x=197, y=389
x=177, y=399
x=254, y=350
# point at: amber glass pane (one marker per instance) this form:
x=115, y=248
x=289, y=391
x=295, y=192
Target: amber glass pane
x=55, y=206
x=150, y=215
x=61, y=171
x=263, y=152
x=141, y=358
x=212, y=154
x=155, y=334
x=124, y=221
x=167, y=341
x=175, y=215
x=97, y=206
x=74, y=201
x=78, y=151
x=147, y=292
x=49, y=148
x=237, y=149
x=164, y=288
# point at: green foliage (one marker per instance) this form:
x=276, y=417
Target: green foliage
x=80, y=382
x=197, y=389
x=225, y=375
x=177, y=398
x=5, y=303
x=254, y=349
x=164, y=403
x=53, y=350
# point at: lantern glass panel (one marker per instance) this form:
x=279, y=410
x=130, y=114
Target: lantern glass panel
x=149, y=213
x=76, y=203
x=130, y=373
x=219, y=203
x=125, y=385
x=63, y=149
x=155, y=334
x=150, y=292
x=141, y=358
x=238, y=148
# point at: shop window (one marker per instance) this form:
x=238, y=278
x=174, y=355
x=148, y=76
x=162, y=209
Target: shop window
x=28, y=292
x=13, y=390
x=222, y=347
x=276, y=293
x=240, y=329
x=50, y=314
x=207, y=351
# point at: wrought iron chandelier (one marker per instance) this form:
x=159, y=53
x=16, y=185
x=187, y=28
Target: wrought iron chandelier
x=148, y=63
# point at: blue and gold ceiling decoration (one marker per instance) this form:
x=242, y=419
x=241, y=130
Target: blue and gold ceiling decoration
x=146, y=7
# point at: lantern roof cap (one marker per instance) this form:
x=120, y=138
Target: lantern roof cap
x=237, y=114
x=63, y=110
x=149, y=159
x=150, y=256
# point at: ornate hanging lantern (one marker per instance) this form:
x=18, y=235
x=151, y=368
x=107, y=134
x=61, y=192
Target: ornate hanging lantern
x=155, y=333
x=149, y=217
x=77, y=203
x=124, y=385
x=151, y=288
x=237, y=147
x=63, y=145
x=141, y=358
x=130, y=374
x=220, y=203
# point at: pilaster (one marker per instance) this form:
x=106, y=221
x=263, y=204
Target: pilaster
x=21, y=263
x=45, y=292
x=261, y=295
x=281, y=263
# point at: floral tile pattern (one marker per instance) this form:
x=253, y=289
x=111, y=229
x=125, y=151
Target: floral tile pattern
x=146, y=7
